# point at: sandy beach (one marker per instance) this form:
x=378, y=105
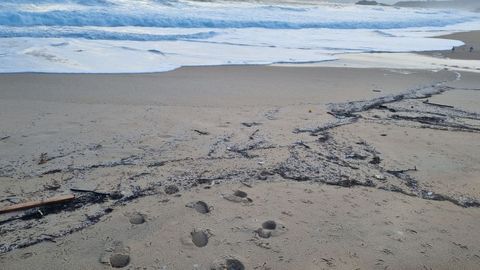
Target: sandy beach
x=244, y=167
x=469, y=51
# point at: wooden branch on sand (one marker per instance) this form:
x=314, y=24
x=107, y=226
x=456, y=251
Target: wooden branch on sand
x=201, y=132
x=436, y=104
x=32, y=204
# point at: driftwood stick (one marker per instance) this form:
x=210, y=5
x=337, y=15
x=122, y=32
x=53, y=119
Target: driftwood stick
x=332, y=114
x=201, y=132
x=246, y=184
x=395, y=172
x=253, y=134
x=32, y=204
x=436, y=104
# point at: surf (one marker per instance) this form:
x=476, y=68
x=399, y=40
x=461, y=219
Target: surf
x=158, y=35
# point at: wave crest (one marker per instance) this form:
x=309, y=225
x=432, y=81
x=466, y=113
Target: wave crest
x=108, y=19
x=98, y=34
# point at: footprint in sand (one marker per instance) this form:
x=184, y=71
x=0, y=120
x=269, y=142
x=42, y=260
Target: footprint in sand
x=270, y=228
x=241, y=194
x=199, y=206
x=171, y=189
x=117, y=255
x=228, y=264
x=137, y=218
x=237, y=196
x=119, y=260
x=269, y=225
x=199, y=238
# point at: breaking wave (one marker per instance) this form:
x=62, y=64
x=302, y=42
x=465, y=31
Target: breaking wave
x=99, y=34
x=177, y=20
x=159, y=35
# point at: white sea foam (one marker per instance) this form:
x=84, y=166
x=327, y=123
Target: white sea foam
x=155, y=35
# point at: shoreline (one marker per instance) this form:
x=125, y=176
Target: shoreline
x=471, y=39
x=212, y=86
x=430, y=60
x=464, y=61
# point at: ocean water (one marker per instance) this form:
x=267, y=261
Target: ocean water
x=158, y=35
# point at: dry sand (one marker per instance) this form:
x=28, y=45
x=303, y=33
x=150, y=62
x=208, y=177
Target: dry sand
x=317, y=227
x=358, y=169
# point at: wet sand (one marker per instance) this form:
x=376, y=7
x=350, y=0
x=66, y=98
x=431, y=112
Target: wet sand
x=461, y=60
x=471, y=40
x=337, y=168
